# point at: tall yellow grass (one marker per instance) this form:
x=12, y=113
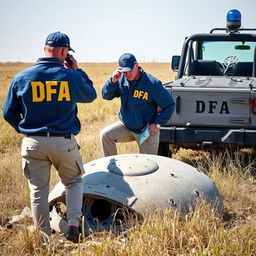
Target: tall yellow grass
x=161, y=233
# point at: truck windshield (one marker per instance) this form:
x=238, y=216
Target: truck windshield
x=220, y=50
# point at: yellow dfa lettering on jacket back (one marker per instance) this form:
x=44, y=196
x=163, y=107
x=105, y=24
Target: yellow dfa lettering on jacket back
x=140, y=94
x=50, y=89
x=38, y=93
x=41, y=91
x=64, y=91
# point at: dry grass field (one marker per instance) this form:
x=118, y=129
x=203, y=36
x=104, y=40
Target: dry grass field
x=167, y=233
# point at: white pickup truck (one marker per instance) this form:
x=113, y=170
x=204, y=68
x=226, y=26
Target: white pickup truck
x=214, y=90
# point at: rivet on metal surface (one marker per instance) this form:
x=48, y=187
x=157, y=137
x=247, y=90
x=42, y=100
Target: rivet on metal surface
x=172, y=202
x=173, y=175
x=197, y=193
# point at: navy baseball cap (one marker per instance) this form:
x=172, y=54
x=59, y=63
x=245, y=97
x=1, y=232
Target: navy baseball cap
x=127, y=62
x=58, y=39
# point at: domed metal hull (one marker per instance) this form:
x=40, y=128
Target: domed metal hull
x=137, y=184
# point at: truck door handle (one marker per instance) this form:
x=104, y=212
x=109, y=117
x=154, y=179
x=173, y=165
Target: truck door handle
x=240, y=101
x=240, y=120
x=177, y=98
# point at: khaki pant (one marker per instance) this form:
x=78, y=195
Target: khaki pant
x=38, y=155
x=117, y=132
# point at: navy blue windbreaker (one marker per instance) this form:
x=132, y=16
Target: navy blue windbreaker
x=43, y=98
x=139, y=103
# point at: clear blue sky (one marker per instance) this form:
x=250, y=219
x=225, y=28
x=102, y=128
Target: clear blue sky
x=102, y=30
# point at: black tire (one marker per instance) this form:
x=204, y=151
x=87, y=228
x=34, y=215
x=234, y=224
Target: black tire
x=164, y=149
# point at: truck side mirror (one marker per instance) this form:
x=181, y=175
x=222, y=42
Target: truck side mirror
x=175, y=62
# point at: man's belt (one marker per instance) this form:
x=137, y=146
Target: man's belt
x=50, y=134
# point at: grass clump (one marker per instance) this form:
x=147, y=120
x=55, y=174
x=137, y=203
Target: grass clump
x=202, y=232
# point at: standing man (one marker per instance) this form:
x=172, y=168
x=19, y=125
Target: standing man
x=41, y=104
x=141, y=96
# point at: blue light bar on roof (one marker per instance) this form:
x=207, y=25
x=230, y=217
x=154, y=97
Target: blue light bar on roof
x=233, y=19
x=234, y=15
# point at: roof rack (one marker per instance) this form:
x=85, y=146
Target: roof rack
x=233, y=31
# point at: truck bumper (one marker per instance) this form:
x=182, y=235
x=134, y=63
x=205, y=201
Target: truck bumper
x=200, y=136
